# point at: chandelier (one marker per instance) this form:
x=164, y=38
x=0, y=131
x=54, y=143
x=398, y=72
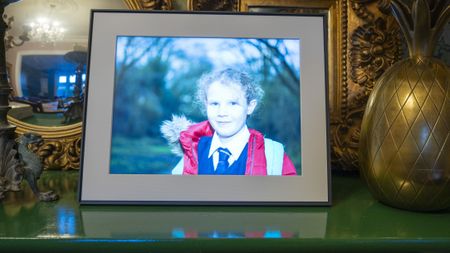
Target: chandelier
x=46, y=30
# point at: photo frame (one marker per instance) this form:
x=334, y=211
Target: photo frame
x=141, y=73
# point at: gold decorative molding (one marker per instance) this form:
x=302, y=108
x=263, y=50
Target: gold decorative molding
x=60, y=153
x=374, y=45
x=60, y=149
x=213, y=5
x=149, y=4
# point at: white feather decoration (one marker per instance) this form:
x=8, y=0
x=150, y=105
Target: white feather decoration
x=171, y=130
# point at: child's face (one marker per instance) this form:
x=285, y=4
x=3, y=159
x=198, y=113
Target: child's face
x=227, y=109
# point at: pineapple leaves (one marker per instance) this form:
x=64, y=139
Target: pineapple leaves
x=421, y=27
x=438, y=7
x=422, y=23
x=441, y=14
x=402, y=14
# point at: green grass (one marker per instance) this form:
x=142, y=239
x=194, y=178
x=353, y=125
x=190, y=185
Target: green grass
x=141, y=156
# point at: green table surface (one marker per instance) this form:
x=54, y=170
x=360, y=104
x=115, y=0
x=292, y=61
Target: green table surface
x=355, y=223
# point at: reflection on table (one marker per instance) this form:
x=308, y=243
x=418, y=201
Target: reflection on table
x=355, y=222
x=129, y=223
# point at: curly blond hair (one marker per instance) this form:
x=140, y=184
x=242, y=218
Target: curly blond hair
x=228, y=76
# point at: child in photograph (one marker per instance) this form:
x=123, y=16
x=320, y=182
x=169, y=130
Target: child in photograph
x=223, y=144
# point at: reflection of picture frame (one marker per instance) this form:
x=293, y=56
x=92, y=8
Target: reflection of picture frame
x=113, y=132
x=163, y=224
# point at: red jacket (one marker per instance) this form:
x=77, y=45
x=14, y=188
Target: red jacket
x=256, y=158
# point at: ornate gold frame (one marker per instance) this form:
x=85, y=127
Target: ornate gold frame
x=363, y=42
x=60, y=148
x=149, y=4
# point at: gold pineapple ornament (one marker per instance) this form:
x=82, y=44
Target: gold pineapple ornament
x=404, y=148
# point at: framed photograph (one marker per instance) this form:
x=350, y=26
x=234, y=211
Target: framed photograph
x=206, y=108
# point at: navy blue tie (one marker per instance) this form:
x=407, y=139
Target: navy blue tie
x=223, y=164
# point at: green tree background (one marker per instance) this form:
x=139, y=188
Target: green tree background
x=156, y=77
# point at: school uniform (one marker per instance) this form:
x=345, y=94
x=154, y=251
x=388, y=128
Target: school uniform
x=250, y=154
x=233, y=154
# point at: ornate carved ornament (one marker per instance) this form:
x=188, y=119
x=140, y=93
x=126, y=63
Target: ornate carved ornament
x=149, y=4
x=213, y=5
x=61, y=146
x=10, y=166
x=374, y=45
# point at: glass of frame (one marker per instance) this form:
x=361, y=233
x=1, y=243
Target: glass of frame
x=203, y=82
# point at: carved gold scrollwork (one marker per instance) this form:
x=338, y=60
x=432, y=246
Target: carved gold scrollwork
x=359, y=7
x=213, y=5
x=345, y=137
x=345, y=134
x=10, y=166
x=361, y=10
x=149, y=4
x=59, y=154
x=61, y=146
x=375, y=45
x=157, y=5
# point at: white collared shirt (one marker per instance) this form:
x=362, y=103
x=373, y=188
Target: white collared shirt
x=235, y=146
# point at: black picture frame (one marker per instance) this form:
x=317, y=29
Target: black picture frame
x=99, y=186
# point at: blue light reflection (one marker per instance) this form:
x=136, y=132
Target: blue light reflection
x=66, y=221
x=273, y=234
